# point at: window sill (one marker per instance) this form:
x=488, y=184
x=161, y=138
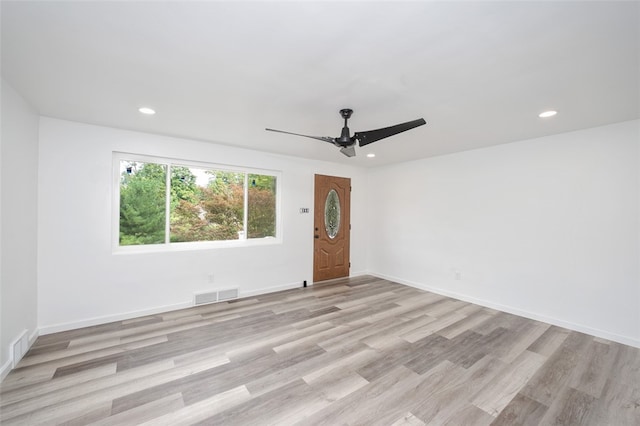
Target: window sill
x=194, y=246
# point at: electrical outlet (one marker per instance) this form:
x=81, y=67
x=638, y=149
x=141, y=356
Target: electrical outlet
x=210, y=278
x=457, y=275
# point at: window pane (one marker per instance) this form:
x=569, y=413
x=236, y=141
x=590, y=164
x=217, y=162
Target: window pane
x=187, y=219
x=142, y=203
x=261, y=217
x=206, y=205
x=332, y=214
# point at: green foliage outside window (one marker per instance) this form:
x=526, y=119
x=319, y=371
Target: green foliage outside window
x=205, y=205
x=261, y=221
x=142, y=204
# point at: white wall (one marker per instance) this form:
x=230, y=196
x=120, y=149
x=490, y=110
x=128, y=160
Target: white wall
x=546, y=228
x=82, y=282
x=19, y=204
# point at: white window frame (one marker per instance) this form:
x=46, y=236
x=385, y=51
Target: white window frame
x=168, y=246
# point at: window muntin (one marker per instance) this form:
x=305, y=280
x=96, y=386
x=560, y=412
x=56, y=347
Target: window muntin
x=205, y=203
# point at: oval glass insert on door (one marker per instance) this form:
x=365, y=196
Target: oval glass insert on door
x=332, y=214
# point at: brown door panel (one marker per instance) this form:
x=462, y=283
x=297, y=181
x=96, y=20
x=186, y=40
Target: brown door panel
x=331, y=243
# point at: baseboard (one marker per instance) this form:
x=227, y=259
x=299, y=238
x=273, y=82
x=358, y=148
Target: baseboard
x=489, y=304
x=33, y=337
x=272, y=289
x=508, y=309
x=8, y=365
x=358, y=274
x=56, y=328
x=5, y=369
x=351, y=275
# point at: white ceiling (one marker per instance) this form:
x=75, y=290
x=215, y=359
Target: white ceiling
x=478, y=72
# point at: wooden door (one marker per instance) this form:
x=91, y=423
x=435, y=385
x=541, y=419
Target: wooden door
x=332, y=227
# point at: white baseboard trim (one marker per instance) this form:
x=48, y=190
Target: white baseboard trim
x=48, y=329
x=272, y=289
x=515, y=311
x=55, y=328
x=5, y=369
x=33, y=336
x=43, y=330
x=8, y=365
x=351, y=275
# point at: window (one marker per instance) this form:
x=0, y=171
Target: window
x=164, y=202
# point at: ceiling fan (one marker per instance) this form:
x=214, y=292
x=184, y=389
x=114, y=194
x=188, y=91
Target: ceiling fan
x=347, y=143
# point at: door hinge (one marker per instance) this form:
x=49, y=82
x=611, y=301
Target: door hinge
x=349, y=264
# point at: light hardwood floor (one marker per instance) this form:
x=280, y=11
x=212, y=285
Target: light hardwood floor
x=356, y=351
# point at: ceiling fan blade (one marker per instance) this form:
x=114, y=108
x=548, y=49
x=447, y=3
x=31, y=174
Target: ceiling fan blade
x=349, y=151
x=367, y=137
x=320, y=138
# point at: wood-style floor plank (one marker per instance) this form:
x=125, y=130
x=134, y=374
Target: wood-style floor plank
x=358, y=351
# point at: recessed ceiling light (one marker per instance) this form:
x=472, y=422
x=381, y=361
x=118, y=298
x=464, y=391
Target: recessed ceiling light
x=547, y=114
x=147, y=111
x=371, y=155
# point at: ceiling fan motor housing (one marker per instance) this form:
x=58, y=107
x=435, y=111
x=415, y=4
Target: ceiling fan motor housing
x=345, y=137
